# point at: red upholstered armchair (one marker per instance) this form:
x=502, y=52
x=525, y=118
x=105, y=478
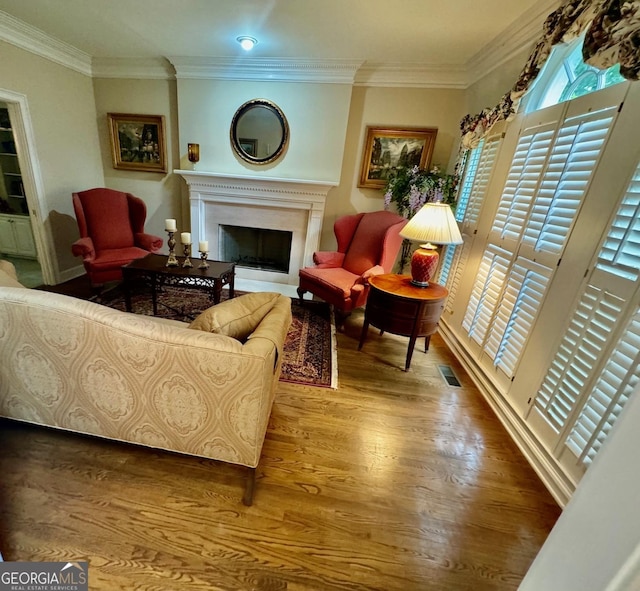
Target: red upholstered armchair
x=112, y=233
x=367, y=245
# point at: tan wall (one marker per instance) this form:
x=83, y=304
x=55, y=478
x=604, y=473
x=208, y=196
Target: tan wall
x=162, y=193
x=488, y=91
x=396, y=108
x=63, y=116
x=327, y=122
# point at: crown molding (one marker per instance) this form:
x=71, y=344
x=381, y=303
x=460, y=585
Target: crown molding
x=521, y=34
x=412, y=76
x=139, y=68
x=24, y=36
x=266, y=69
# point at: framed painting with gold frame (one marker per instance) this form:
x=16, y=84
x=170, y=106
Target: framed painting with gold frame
x=137, y=142
x=387, y=148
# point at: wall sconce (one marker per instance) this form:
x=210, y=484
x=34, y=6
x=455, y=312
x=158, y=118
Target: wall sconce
x=193, y=152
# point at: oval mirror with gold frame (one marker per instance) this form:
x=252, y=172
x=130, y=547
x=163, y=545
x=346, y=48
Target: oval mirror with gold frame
x=259, y=131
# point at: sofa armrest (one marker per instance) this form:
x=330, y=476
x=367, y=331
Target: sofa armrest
x=148, y=241
x=8, y=275
x=9, y=268
x=84, y=248
x=273, y=328
x=328, y=259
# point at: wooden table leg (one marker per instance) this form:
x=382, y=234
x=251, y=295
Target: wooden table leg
x=154, y=295
x=232, y=283
x=127, y=292
x=412, y=344
x=363, y=334
x=217, y=291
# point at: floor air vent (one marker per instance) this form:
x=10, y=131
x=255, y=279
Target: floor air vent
x=448, y=375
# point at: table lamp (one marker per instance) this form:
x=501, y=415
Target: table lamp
x=433, y=224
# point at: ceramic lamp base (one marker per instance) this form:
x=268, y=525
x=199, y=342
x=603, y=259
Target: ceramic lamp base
x=424, y=263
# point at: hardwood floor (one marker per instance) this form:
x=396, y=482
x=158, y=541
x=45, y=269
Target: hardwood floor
x=395, y=481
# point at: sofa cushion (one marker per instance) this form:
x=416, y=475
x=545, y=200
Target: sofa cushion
x=8, y=276
x=238, y=317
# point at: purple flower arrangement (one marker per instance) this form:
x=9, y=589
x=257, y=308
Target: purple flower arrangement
x=410, y=188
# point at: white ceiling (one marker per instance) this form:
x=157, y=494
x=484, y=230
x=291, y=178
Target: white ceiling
x=433, y=33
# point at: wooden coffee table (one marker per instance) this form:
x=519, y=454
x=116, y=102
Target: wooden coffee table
x=153, y=271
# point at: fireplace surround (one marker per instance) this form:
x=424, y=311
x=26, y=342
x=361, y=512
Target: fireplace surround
x=288, y=205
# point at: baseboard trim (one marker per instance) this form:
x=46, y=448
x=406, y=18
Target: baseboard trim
x=545, y=466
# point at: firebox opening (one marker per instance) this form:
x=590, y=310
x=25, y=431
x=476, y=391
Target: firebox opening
x=256, y=248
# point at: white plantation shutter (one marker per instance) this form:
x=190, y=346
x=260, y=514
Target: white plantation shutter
x=475, y=181
x=577, y=357
x=461, y=254
x=612, y=390
x=478, y=191
x=550, y=172
x=522, y=181
x=620, y=254
x=468, y=178
x=575, y=152
x=486, y=292
x=523, y=295
x=446, y=263
x=595, y=368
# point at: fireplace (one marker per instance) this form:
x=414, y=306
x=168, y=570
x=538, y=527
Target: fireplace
x=256, y=248
x=287, y=206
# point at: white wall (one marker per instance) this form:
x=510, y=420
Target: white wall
x=317, y=115
x=63, y=117
x=600, y=527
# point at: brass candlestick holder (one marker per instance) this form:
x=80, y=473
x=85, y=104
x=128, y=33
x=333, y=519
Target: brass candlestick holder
x=203, y=260
x=172, y=261
x=187, y=251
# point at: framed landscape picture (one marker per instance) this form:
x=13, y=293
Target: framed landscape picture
x=386, y=149
x=250, y=146
x=137, y=142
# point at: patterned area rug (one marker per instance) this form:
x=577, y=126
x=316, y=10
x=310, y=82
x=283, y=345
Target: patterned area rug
x=310, y=355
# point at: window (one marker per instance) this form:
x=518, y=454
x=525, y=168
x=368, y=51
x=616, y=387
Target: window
x=565, y=77
x=556, y=154
x=547, y=311
x=473, y=190
x=596, y=367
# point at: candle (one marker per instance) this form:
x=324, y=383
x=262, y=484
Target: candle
x=170, y=225
x=185, y=237
x=204, y=246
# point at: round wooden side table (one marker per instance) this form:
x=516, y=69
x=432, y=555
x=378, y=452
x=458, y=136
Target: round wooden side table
x=396, y=306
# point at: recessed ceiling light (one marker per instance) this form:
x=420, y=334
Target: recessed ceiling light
x=247, y=42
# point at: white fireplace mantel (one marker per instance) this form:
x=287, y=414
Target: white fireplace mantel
x=262, y=202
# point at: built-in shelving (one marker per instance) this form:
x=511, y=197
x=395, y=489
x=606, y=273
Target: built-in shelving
x=16, y=234
x=12, y=197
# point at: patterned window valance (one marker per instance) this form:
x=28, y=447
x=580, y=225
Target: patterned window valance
x=612, y=36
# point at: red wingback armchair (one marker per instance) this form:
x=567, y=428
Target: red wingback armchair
x=368, y=244
x=112, y=232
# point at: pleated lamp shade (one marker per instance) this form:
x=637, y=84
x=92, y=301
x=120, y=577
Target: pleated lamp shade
x=433, y=224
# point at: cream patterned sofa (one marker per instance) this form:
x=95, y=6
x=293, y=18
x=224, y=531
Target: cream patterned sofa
x=83, y=367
